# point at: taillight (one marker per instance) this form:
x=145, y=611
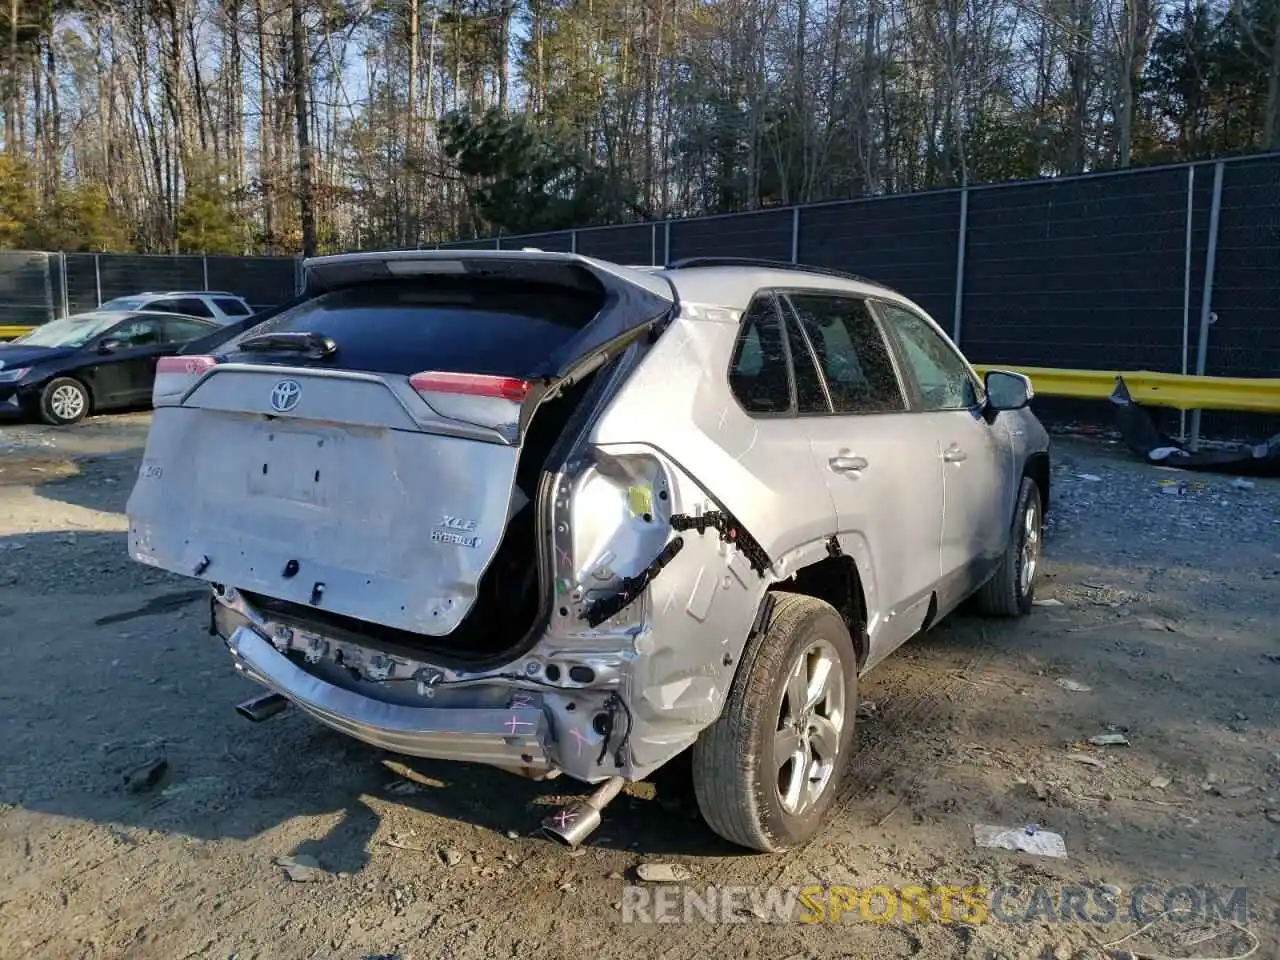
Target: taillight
x=176, y=375
x=471, y=385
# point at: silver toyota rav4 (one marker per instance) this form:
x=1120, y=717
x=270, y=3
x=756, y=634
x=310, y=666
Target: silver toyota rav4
x=552, y=514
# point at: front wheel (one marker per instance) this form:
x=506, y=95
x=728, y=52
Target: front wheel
x=1013, y=588
x=769, y=768
x=64, y=401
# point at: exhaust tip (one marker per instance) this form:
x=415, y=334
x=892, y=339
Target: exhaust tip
x=263, y=707
x=571, y=825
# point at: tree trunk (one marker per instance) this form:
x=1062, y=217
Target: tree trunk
x=301, y=80
x=266, y=124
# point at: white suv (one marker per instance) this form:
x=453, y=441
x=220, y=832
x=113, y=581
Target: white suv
x=213, y=305
x=556, y=515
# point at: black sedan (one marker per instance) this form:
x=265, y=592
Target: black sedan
x=90, y=362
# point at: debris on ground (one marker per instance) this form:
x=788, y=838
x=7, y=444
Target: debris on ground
x=1047, y=602
x=450, y=857
x=663, y=873
x=1073, y=685
x=1086, y=759
x=146, y=775
x=1028, y=839
x=1159, y=783
x=866, y=710
x=1109, y=740
x=301, y=868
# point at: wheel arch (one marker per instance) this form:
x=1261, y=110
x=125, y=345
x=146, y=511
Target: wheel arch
x=1037, y=469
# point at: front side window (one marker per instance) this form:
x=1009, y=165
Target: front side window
x=139, y=333
x=758, y=374
x=852, y=354
x=942, y=376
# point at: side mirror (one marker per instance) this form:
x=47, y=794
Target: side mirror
x=1007, y=390
x=110, y=345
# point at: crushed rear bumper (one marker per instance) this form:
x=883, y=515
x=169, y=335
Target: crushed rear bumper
x=511, y=737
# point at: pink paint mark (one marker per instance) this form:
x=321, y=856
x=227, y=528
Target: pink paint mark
x=564, y=818
x=515, y=723
x=564, y=556
x=577, y=735
x=520, y=701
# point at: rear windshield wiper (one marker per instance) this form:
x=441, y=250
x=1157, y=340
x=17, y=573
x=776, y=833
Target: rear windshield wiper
x=314, y=345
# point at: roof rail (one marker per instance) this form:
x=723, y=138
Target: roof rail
x=689, y=263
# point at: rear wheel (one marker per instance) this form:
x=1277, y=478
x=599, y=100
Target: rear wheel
x=64, y=401
x=768, y=770
x=1011, y=591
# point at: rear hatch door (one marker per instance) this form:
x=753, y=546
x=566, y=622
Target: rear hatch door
x=357, y=452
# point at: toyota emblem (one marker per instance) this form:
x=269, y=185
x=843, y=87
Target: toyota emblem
x=285, y=395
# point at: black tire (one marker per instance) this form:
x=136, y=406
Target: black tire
x=736, y=773
x=1006, y=594
x=58, y=405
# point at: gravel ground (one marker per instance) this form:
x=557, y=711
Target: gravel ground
x=1161, y=623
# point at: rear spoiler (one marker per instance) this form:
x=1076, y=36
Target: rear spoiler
x=633, y=299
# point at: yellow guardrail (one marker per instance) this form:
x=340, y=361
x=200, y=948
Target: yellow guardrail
x=1176, y=390
x=7, y=333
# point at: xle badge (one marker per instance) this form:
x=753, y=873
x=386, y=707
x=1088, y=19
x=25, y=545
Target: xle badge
x=457, y=531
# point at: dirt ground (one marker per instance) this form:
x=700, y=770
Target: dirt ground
x=1167, y=610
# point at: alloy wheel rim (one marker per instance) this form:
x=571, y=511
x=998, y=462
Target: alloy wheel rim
x=1031, y=533
x=67, y=402
x=811, y=719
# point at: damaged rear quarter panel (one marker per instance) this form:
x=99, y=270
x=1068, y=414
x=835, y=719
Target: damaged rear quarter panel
x=676, y=406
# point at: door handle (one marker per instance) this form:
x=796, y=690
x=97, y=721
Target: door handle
x=844, y=464
x=953, y=454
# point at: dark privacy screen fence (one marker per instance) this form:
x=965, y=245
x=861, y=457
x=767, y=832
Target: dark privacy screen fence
x=1102, y=271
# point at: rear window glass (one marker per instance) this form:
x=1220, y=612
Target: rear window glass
x=232, y=308
x=450, y=324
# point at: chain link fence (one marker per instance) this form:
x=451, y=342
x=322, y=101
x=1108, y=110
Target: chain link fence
x=35, y=287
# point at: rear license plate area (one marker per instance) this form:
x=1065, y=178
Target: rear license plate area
x=294, y=465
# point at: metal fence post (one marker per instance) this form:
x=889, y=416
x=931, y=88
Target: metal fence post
x=1186, y=291
x=666, y=241
x=653, y=244
x=204, y=259
x=795, y=234
x=497, y=242
x=66, y=300
x=573, y=241
x=957, y=309
x=97, y=276
x=1206, y=300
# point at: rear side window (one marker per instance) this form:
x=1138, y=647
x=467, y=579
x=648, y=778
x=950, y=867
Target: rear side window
x=459, y=325
x=194, y=307
x=758, y=373
x=810, y=397
x=232, y=308
x=851, y=352
x=181, y=331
